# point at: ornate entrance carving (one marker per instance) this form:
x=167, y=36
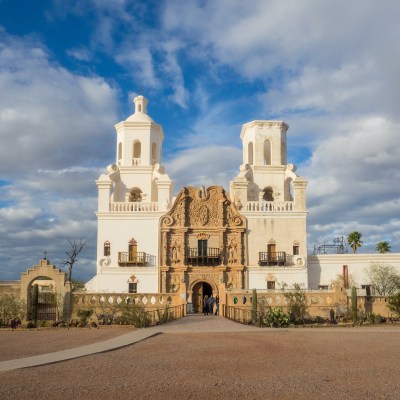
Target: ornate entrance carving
x=202, y=239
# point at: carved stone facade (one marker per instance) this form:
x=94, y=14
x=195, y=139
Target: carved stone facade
x=202, y=238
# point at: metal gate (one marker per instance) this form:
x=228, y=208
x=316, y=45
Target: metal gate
x=46, y=306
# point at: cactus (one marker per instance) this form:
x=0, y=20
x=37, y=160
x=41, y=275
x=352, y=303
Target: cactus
x=354, y=303
x=35, y=300
x=254, y=306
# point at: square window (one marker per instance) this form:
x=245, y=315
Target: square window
x=132, y=287
x=271, y=285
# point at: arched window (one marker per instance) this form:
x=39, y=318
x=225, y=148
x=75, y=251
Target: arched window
x=154, y=153
x=267, y=152
x=135, y=195
x=137, y=153
x=268, y=194
x=119, y=151
x=250, y=154
x=107, y=248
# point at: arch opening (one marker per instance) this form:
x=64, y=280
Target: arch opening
x=267, y=152
x=250, y=153
x=137, y=153
x=200, y=291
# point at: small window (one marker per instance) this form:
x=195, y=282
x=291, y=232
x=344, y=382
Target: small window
x=296, y=250
x=107, y=248
x=323, y=287
x=271, y=285
x=132, y=287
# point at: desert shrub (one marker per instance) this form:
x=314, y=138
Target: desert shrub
x=83, y=316
x=378, y=319
x=275, y=317
x=73, y=323
x=10, y=308
x=319, y=320
x=394, y=304
x=133, y=314
x=296, y=304
x=106, y=319
x=163, y=316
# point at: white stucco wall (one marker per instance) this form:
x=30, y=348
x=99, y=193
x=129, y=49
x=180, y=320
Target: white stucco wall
x=323, y=269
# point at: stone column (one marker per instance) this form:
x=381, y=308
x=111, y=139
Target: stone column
x=299, y=189
x=104, y=188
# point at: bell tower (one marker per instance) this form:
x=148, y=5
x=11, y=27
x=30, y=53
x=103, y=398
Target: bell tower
x=272, y=197
x=132, y=196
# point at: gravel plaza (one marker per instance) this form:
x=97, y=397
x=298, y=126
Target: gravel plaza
x=206, y=357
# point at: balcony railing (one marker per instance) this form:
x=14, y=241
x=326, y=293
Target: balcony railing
x=270, y=206
x=272, y=258
x=206, y=257
x=126, y=258
x=120, y=207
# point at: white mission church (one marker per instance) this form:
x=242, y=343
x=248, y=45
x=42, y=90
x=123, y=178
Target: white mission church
x=253, y=236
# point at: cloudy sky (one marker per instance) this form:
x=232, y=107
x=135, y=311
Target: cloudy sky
x=70, y=69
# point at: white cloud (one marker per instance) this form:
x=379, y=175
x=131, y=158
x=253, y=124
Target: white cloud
x=54, y=126
x=211, y=165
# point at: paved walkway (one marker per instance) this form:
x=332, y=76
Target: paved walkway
x=190, y=324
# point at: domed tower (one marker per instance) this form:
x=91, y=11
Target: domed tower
x=272, y=197
x=132, y=197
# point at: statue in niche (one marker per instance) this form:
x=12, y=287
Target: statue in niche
x=175, y=251
x=232, y=250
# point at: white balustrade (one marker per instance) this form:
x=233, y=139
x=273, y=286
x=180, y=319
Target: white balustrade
x=133, y=207
x=270, y=206
x=135, y=161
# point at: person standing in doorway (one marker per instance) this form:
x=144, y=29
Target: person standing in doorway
x=205, y=305
x=216, y=305
x=211, y=302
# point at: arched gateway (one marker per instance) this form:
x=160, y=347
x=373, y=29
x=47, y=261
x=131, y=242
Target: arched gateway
x=202, y=244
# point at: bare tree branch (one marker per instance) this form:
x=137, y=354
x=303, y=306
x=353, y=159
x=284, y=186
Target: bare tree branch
x=76, y=247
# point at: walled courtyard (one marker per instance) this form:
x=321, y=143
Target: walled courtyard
x=210, y=357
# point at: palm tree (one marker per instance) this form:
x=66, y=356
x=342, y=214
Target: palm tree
x=354, y=240
x=383, y=247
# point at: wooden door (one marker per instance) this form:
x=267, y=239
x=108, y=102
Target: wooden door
x=198, y=297
x=271, y=252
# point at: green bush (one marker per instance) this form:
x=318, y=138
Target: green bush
x=275, y=317
x=10, y=308
x=133, y=314
x=296, y=304
x=83, y=316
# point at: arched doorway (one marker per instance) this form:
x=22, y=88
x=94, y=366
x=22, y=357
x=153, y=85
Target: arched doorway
x=200, y=289
x=42, y=299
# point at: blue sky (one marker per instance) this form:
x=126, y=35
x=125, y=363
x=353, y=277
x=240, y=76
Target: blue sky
x=69, y=71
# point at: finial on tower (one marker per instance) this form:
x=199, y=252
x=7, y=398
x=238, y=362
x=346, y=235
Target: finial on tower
x=140, y=104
